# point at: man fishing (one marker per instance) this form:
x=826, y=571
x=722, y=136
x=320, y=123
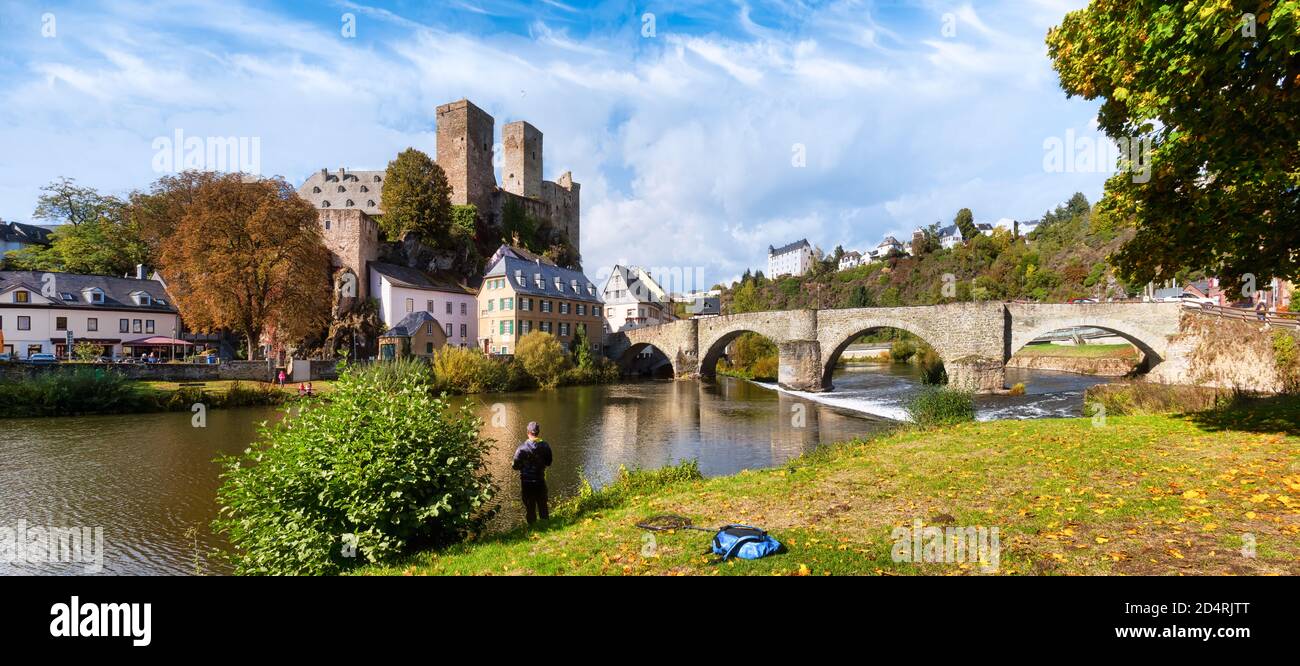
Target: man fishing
x=531, y=459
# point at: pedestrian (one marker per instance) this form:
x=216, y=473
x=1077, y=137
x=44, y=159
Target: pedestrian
x=281, y=378
x=531, y=459
x=1261, y=312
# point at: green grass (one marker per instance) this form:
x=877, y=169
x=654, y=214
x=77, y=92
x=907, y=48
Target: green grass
x=1170, y=494
x=1121, y=350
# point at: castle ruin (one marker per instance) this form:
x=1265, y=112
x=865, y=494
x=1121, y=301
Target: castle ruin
x=346, y=200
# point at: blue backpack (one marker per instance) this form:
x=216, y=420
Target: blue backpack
x=745, y=542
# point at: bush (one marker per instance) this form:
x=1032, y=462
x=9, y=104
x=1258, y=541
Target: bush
x=902, y=350
x=379, y=470
x=932, y=370
x=627, y=485
x=71, y=391
x=468, y=370
x=1018, y=389
x=938, y=406
x=599, y=371
x=543, y=358
x=766, y=368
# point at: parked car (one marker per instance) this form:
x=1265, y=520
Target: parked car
x=1076, y=301
x=6, y=357
x=42, y=359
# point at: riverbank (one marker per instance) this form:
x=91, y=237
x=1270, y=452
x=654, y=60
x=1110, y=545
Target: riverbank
x=1104, y=360
x=90, y=391
x=1211, y=493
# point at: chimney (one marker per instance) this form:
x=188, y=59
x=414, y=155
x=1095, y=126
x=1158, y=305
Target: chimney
x=139, y=271
x=324, y=173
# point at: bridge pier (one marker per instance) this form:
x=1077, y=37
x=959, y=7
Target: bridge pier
x=976, y=373
x=800, y=365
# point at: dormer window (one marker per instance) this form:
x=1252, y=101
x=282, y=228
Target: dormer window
x=370, y=203
x=378, y=179
x=325, y=204
x=315, y=190
x=93, y=295
x=350, y=203
x=537, y=279
x=519, y=277
x=342, y=189
x=67, y=297
x=559, y=284
x=142, y=298
x=365, y=189
x=573, y=284
x=21, y=296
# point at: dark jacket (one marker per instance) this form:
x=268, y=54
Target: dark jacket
x=531, y=459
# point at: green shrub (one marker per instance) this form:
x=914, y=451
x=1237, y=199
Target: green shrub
x=599, y=371
x=72, y=391
x=938, y=406
x=543, y=358
x=932, y=370
x=902, y=350
x=765, y=368
x=379, y=470
x=468, y=370
x=627, y=485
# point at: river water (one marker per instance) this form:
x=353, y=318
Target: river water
x=150, y=483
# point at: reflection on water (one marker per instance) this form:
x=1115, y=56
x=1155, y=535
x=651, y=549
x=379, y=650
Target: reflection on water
x=148, y=479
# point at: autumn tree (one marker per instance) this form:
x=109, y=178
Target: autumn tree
x=1205, y=96
x=417, y=198
x=157, y=213
x=246, y=255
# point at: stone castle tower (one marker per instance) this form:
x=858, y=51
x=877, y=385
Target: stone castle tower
x=345, y=200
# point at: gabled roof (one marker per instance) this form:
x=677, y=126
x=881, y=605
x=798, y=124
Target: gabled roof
x=510, y=266
x=117, y=290
x=410, y=324
x=17, y=232
x=640, y=285
x=801, y=243
x=518, y=253
x=413, y=278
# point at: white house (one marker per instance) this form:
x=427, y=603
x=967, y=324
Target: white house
x=633, y=298
x=850, y=259
x=886, y=246
x=403, y=291
x=950, y=237
x=793, y=259
x=41, y=312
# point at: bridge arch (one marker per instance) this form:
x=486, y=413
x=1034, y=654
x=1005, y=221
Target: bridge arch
x=1146, y=326
x=841, y=341
x=629, y=360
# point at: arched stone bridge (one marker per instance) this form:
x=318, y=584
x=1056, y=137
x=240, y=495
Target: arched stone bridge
x=975, y=340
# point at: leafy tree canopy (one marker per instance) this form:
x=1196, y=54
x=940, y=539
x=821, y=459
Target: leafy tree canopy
x=1214, y=86
x=416, y=198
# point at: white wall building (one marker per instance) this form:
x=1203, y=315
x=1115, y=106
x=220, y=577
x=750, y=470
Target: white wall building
x=793, y=259
x=402, y=291
x=633, y=298
x=850, y=259
x=123, y=316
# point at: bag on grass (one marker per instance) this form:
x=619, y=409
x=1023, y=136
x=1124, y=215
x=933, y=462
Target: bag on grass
x=745, y=542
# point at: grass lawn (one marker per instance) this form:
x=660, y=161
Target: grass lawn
x=1135, y=495
x=1121, y=350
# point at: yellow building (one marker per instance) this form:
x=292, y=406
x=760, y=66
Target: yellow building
x=522, y=293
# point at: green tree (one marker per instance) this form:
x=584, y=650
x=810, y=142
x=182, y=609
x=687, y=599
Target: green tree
x=965, y=221
x=581, y=349
x=860, y=297
x=107, y=245
x=416, y=198
x=1214, y=87
x=65, y=202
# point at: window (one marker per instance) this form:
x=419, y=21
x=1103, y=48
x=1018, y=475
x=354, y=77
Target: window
x=21, y=296
x=582, y=310
x=546, y=306
x=559, y=284
x=564, y=329
x=123, y=326
x=448, y=307
x=464, y=331
x=60, y=323
x=537, y=280
x=137, y=326
x=574, y=285
x=410, y=305
x=525, y=327
x=24, y=323
x=595, y=310
x=503, y=304
x=428, y=347
x=148, y=326
x=449, y=330
x=545, y=326
x=462, y=308
x=327, y=222
x=428, y=329
x=491, y=305
x=505, y=349
x=429, y=306
x=564, y=307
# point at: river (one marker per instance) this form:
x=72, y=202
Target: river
x=150, y=482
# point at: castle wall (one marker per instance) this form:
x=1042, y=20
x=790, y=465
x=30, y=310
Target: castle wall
x=521, y=172
x=353, y=241
x=465, y=135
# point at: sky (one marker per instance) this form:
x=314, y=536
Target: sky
x=700, y=132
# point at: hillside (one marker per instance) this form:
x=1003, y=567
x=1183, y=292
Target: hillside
x=1064, y=258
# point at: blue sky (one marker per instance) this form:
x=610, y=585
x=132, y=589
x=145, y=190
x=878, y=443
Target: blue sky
x=684, y=138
